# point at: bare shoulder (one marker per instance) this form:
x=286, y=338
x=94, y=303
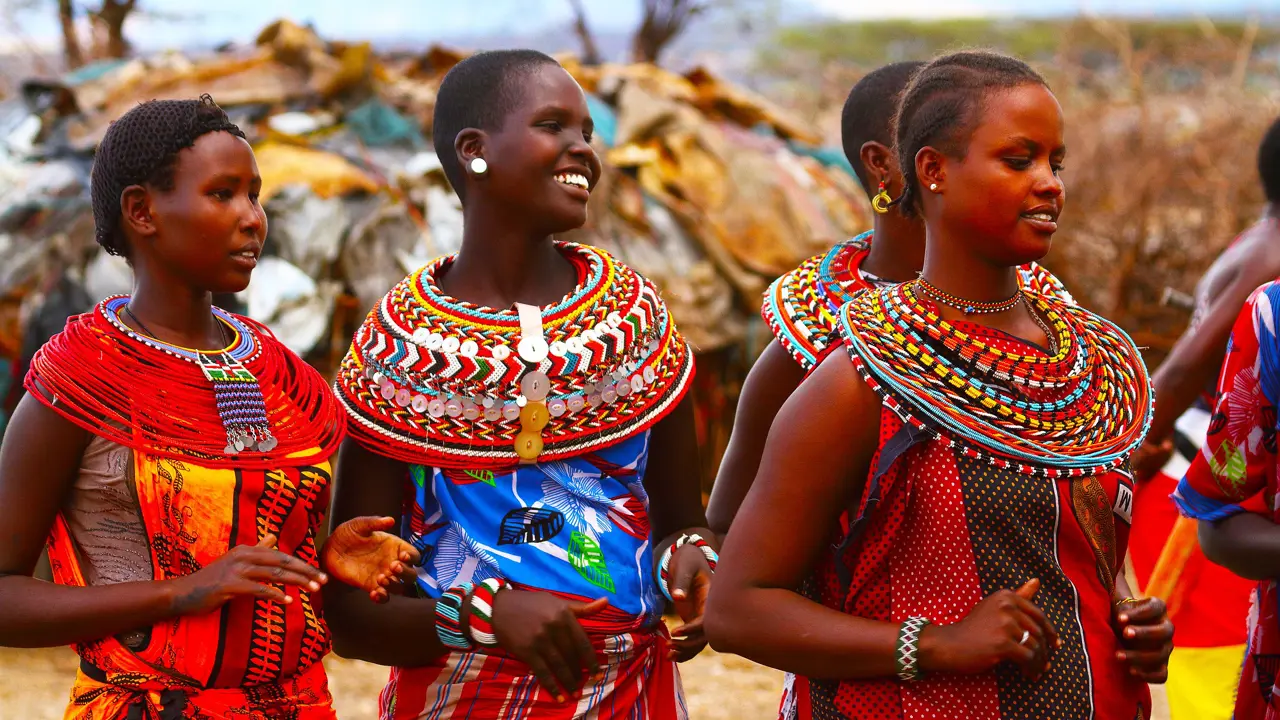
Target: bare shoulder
x=834, y=399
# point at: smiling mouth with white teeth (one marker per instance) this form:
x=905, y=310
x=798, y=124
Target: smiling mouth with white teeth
x=574, y=180
x=1042, y=216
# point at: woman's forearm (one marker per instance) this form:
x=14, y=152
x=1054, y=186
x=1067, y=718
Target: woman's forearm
x=784, y=630
x=1247, y=544
x=35, y=613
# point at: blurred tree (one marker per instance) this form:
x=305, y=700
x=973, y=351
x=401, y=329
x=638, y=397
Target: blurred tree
x=662, y=21
x=590, y=52
x=110, y=17
x=72, y=55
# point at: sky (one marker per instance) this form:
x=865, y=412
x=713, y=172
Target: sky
x=185, y=23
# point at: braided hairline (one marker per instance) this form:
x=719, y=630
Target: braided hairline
x=941, y=105
x=142, y=147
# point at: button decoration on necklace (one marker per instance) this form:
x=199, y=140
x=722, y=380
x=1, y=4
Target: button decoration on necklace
x=534, y=386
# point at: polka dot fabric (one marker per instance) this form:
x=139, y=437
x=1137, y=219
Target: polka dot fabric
x=933, y=534
x=1013, y=524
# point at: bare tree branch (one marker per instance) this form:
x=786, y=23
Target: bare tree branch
x=111, y=16
x=662, y=21
x=71, y=53
x=590, y=52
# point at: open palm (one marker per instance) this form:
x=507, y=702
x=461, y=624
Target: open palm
x=361, y=553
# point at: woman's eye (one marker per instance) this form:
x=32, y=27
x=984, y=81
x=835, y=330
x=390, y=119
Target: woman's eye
x=1018, y=163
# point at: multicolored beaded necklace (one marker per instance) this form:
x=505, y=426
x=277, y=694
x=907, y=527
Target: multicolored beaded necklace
x=802, y=307
x=236, y=392
x=975, y=395
x=435, y=380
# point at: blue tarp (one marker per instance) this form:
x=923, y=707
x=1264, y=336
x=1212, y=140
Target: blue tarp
x=91, y=72
x=379, y=125
x=605, y=119
x=829, y=156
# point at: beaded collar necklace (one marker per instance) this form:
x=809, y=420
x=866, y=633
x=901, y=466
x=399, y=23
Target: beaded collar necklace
x=236, y=391
x=1097, y=395
x=447, y=381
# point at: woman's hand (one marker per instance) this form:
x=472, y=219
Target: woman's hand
x=246, y=570
x=1146, y=636
x=361, y=553
x=690, y=580
x=1003, y=626
x=543, y=631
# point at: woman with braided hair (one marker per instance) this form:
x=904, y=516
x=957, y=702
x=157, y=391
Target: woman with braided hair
x=954, y=485
x=525, y=401
x=176, y=457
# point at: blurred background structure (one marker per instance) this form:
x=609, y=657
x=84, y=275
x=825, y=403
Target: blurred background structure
x=718, y=121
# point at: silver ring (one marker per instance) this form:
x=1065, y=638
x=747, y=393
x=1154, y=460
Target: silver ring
x=1026, y=635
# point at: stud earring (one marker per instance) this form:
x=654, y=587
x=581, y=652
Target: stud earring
x=933, y=187
x=479, y=166
x=881, y=202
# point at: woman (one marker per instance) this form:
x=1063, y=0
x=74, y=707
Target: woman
x=802, y=307
x=527, y=398
x=176, y=457
x=955, y=495
x=1230, y=489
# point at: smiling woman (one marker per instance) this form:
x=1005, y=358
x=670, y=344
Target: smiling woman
x=177, y=457
x=954, y=485
x=529, y=395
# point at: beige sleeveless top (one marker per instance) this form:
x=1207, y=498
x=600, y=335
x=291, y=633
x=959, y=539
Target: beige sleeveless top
x=103, y=518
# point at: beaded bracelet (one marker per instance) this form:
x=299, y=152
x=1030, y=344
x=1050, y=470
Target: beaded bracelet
x=908, y=646
x=449, y=618
x=713, y=558
x=482, y=611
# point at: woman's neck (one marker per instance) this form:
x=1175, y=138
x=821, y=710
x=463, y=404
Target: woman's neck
x=897, y=248
x=950, y=266
x=499, y=265
x=174, y=313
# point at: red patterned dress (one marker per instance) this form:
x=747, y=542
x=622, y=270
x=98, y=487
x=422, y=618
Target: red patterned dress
x=802, y=309
x=198, y=496
x=999, y=462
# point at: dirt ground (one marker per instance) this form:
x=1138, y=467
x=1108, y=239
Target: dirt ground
x=34, y=685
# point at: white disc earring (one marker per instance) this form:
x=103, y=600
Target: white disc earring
x=479, y=166
x=933, y=187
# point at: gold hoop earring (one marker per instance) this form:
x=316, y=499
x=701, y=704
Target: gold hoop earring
x=881, y=202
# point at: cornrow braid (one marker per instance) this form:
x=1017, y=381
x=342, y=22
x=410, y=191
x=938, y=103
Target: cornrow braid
x=941, y=106
x=142, y=148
